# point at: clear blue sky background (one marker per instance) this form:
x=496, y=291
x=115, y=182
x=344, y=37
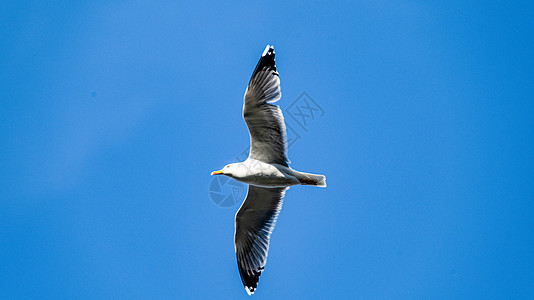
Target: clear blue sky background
x=114, y=113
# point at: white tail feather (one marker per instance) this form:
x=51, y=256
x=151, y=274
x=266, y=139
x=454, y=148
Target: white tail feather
x=311, y=179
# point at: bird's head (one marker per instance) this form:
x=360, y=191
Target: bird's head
x=227, y=170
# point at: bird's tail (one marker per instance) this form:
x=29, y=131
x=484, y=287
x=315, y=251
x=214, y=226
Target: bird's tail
x=311, y=179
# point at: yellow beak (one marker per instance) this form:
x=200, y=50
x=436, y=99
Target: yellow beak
x=217, y=172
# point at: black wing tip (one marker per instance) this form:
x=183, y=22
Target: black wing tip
x=269, y=51
x=267, y=60
x=250, y=290
x=250, y=281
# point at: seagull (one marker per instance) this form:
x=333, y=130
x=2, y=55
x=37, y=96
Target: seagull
x=266, y=171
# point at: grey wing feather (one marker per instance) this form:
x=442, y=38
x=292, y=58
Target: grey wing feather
x=268, y=139
x=254, y=223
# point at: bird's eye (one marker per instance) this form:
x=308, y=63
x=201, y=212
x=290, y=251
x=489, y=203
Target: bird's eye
x=227, y=167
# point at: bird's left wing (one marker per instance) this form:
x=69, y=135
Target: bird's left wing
x=268, y=139
x=254, y=223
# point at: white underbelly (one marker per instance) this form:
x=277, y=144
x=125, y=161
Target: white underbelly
x=270, y=182
x=270, y=176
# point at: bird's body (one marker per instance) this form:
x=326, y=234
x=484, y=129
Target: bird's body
x=266, y=171
x=258, y=173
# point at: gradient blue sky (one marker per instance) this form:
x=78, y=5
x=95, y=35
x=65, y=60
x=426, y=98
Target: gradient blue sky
x=114, y=113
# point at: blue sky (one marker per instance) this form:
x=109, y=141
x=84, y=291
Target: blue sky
x=114, y=114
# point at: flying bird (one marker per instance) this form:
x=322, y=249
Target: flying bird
x=266, y=171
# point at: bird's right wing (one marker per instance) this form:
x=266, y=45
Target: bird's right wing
x=254, y=223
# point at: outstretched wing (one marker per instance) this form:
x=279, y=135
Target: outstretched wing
x=268, y=140
x=254, y=223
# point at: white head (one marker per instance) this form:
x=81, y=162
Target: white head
x=232, y=170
